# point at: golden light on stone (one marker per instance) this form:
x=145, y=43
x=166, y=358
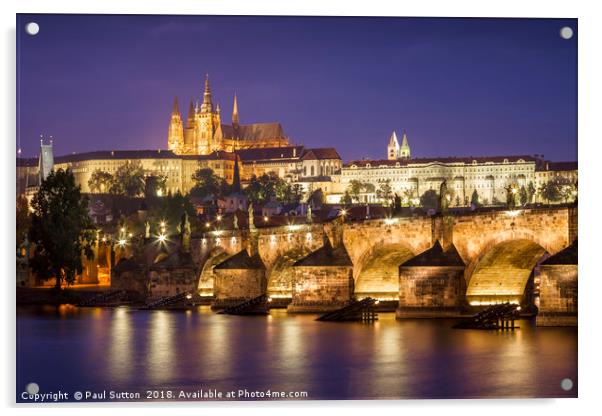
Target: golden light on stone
x=390, y=221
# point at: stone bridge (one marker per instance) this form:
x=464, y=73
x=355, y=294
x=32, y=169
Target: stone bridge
x=498, y=248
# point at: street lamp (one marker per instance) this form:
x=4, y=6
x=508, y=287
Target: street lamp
x=265, y=219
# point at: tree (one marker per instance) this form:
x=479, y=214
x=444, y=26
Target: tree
x=128, y=180
x=474, y=199
x=100, y=181
x=23, y=219
x=316, y=198
x=429, y=199
x=531, y=192
x=408, y=197
x=347, y=200
x=523, y=195
x=171, y=209
x=550, y=191
x=287, y=193
x=385, y=192
x=155, y=185
x=206, y=183
x=61, y=229
x=355, y=188
x=270, y=186
x=511, y=192
x=396, y=204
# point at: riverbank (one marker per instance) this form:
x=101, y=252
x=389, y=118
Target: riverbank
x=52, y=296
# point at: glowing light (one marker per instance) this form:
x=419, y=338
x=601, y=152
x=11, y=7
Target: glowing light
x=377, y=302
x=104, y=239
x=233, y=241
x=162, y=238
x=308, y=236
x=130, y=235
x=514, y=190
x=189, y=296
x=122, y=243
x=122, y=229
x=266, y=219
x=204, y=241
x=162, y=224
x=273, y=239
x=343, y=212
x=207, y=225
x=217, y=232
x=390, y=221
x=513, y=213
x=159, y=192
x=270, y=299
x=294, y=227
x=518, y=308
x=218, y=241
x=219, y=217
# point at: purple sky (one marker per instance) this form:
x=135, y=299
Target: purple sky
x=459, y=87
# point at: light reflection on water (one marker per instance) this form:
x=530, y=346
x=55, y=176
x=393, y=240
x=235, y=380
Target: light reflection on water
x=96, y=349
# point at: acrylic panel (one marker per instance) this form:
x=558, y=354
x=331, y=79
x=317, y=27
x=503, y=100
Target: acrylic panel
x=295, y=208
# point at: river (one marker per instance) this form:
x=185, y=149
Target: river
x=163, y=354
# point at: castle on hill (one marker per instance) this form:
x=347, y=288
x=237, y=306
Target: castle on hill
x=204, y=133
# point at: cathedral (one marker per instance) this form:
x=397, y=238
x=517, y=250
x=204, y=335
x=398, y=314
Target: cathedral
x=395, y=151
x=204, y=132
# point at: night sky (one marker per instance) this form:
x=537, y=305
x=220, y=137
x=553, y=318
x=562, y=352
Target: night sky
x=459, y=87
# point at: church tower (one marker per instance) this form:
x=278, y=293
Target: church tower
x=393, y=147
x=404, y=151
x=207, y=121
x=175, y=135
x=235, y=122
x=46, y=160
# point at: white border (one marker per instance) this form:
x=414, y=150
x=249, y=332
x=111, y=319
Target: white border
x=590, y=114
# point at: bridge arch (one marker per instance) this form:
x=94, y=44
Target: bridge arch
x=501, y=270
x=376, y=272
x=280, y=272
x=205, y=280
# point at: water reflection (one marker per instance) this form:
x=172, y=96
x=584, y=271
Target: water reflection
x=120, y=346
x=130, y=349
x=161, y=359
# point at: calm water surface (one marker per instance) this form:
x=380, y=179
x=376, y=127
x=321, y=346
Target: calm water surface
x=78, y=349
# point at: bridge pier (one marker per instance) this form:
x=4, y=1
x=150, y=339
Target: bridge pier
x=558, y=289
x=431, y=285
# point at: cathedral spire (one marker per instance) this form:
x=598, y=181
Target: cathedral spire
x=404, y=150
x=235, y=112
x=393, y=147
x=207, y=106
x=176, y=107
